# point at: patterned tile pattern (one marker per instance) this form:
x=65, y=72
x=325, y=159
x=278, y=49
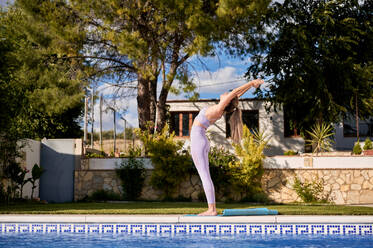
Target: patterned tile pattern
x=297, y=229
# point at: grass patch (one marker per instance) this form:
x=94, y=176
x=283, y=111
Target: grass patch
x=174, y=208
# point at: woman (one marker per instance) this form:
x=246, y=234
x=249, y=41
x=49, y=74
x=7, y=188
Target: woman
x=199, y=144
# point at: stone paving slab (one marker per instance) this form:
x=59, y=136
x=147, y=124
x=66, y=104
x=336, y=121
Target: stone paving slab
x=275, y=219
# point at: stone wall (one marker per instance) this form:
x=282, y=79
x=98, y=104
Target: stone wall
x=344, y=186
x=89, y=181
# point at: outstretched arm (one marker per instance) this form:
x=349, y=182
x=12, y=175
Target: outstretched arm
x=239, y=91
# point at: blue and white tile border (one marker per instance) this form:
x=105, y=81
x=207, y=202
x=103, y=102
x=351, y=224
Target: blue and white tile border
x=293, y=229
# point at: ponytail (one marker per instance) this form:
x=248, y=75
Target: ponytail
x=235, y=122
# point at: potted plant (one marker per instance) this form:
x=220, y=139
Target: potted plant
x=368, y=147
x=357, y=148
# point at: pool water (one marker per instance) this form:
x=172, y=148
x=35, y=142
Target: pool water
x=105, y=240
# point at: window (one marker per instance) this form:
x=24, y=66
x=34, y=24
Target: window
x=250, y=118
x=365, y=127
x=181, y=123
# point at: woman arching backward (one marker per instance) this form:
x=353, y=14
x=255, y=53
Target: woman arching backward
x=200, y=145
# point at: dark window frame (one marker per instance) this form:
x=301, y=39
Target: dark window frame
x=227, y=125
x=191, y=115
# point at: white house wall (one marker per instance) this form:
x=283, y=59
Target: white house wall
x=31, y=156
x=271, y=123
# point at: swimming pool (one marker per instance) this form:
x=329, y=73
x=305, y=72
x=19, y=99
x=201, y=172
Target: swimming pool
x=56, y=235
x=106, y=240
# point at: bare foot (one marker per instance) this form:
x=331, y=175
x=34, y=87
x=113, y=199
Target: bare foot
x=208, y=213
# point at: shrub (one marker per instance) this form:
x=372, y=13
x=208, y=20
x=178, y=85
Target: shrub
x=134, y=151
x=104, y=195
x=310, y=191
x=36, y=173
x=247, y=173
x=357, y=148
x=290, y=153
x=95, y=155
x=368, y=144
x=321, y=137
x=15, y=175
x=132, y=176
x=171, y=167
x=219, y=159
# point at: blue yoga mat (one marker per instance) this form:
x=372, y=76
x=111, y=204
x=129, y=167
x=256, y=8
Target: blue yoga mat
x=249, y=211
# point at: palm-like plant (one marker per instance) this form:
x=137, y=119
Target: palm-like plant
x=261, y=138
x=321, y=137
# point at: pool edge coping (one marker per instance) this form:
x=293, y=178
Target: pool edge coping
x=183, y=219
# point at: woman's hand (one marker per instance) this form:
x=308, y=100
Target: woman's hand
x=257, y=82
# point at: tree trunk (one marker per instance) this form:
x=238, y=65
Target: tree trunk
x=143, y=102
x=357, y=118
x=161, y=110
x=161, y=105
x=153, y=100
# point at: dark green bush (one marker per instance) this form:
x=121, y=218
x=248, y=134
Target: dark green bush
x=104, y=195
x=132, y=176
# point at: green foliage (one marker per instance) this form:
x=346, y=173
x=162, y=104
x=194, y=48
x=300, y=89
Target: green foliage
x=357, y=148
x=290, y=153
x=11, y=173
x=171, y=166
x=132, y=176
x=95, y=155
x=104, y=195
x=43, y=96
x=134, y=151
x=310, y=191
x=318, y=56
x=321, y=137
x=3, y=193
x=36, y=173
x=219, y=160
x=368, y=144
x=21, y=180
x=248, y=171
x=260, y=138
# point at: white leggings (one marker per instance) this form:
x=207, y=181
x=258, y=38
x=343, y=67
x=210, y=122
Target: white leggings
x=200, y=148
